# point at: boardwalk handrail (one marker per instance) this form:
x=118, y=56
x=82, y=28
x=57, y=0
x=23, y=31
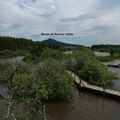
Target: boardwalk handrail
x=81, y=82
x=93, y=88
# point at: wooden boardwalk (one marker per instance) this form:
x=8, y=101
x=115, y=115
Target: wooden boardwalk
x=96, y=89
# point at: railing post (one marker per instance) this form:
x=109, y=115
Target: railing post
x=74, y=77
x=80, y=82
x=103, y=88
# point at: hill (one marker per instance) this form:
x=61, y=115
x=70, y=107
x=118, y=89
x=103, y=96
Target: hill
x=52, y=42
x=13, y=43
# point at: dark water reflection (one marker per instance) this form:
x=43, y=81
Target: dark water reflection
x=84, y=106
x=87, y=106
x=3, y=90
x=116, y=71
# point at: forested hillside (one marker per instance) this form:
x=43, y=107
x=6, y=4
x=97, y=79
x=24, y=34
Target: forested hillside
x=13, y=43
x=12, y=46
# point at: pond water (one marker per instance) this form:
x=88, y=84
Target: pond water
x=101, y=54
x=84, y=105
x=13, y=60
x=116, y=71
x=3, y=90
x=87, y=106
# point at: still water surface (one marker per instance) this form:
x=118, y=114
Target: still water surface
x=101, y=54
x=17, y=59
x=87, y=106
x=84, y=106
x=116, y=83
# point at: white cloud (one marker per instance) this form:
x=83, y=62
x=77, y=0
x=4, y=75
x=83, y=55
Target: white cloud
x=87, y=19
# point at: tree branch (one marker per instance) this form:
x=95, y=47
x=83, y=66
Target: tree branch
x=14, y=117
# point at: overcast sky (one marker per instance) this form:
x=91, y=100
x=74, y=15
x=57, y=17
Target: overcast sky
x=91, y=21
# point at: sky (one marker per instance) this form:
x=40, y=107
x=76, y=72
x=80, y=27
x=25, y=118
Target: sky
x=91, y=21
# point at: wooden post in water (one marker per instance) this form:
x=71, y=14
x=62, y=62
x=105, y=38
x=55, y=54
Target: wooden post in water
x=103, y=88
x=80, y=82
x=74, y=77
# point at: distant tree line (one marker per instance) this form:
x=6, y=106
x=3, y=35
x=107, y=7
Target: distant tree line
x=103, y=48
x=14, y=44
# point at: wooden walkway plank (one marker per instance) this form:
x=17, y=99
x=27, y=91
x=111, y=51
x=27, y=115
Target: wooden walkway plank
x=85, y=85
